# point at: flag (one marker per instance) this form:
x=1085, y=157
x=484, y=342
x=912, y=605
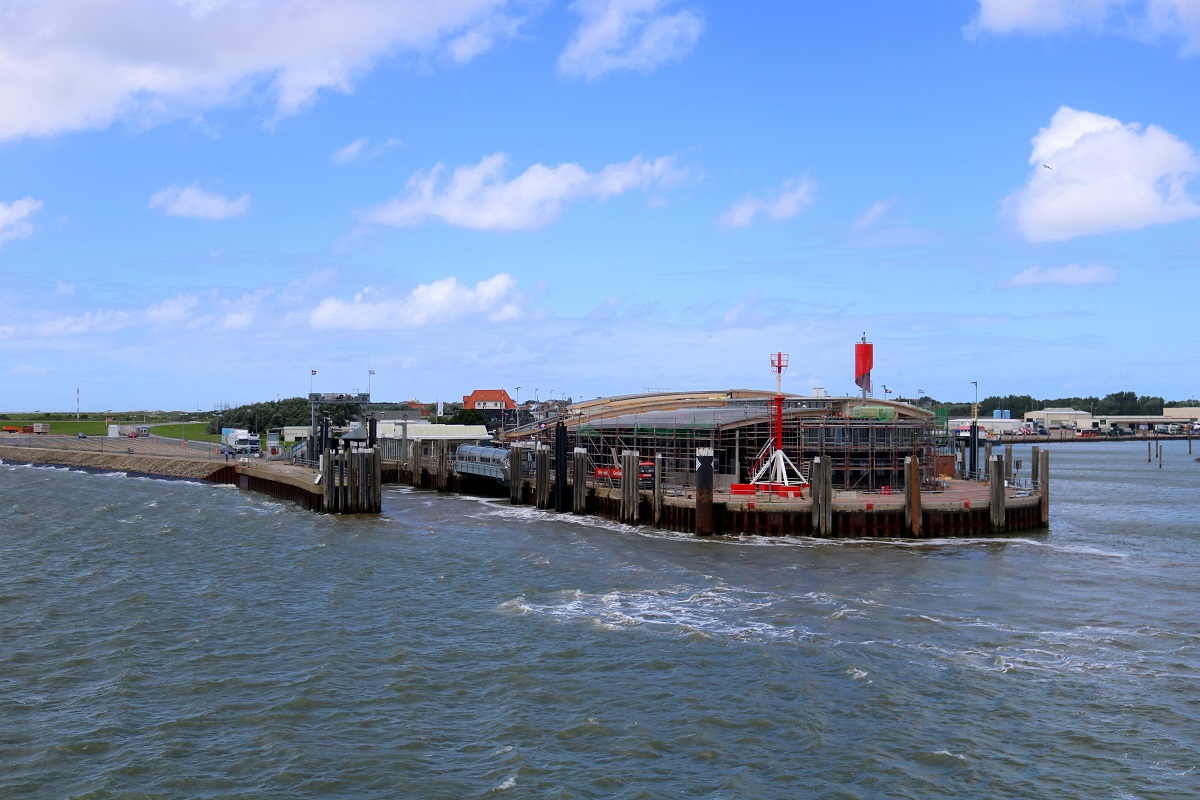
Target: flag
x=370, y=372
x=314, y=372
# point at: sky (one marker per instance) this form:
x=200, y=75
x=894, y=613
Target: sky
x=208, y=201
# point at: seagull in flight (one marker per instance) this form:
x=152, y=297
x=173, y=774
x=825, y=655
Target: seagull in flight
x=1047, y=166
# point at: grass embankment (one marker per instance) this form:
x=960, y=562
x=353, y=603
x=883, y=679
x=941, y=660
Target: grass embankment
x=63, y=425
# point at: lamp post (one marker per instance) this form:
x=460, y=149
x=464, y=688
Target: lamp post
x=517, y=403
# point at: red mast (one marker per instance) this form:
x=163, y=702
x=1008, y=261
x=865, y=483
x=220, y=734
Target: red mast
x=779, y=363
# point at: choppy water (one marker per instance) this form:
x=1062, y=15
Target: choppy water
x=167, y=639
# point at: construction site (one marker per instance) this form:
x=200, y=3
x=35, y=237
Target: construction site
x=760, y=440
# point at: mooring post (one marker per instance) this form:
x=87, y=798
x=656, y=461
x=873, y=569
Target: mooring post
x=912, y=496
x=443, y=466
x=579, y=487
x=705, y=518
x=996, y=492
x=1034, y=463
x=659, y=462
x=516, y=473
x=560, y=467
x=1160, y=449
x=827, y=497
x=1008, y=463
x=1149, y=458
x=541, y=485
x=987, y=462
x=1045, y=473
x=817, y=470
x=629, y=486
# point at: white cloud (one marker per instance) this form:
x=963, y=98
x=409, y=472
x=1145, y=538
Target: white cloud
x=361, y=150
x=874, y=213
x=479, y=198
x=1070, y=275
x=14, y=218
x=194, y=202
x=628, y=35
x=792, y=197
x=1145, y=20
x=68, y=66
x=237, y=320
x=495, y=300
x=172, y=311
x=89, y=322
x=1092, y=174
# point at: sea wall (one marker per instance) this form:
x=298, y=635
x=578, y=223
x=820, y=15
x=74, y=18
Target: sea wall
x=159, y=466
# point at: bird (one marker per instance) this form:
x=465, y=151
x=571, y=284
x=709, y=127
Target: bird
x=1047, y=166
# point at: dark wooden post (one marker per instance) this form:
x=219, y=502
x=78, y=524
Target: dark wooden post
x=912, y=496
x=659, y=461
x=629, y=486
x=1035, y=463
x=516, y=472
x=579, y=497
x=1045, y=484
x=1008, y=463
x=560, y=467
x=542, y=477
x=996, y=492
x=705, y=516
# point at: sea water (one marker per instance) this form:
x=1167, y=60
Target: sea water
x=173, y=639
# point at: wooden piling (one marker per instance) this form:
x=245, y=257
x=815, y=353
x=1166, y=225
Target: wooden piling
x=629, y=486
x=705, y=518
x=1045, y=484
x=579, y=494
x=987, y=462
x=1008, y=463
x=996, y=492
x=1034, y=464
x=542, y=477
x=516, y=473
x=912, y=496
x=657, y=503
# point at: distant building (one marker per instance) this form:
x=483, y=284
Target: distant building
x=491, y=403
x=405, y=413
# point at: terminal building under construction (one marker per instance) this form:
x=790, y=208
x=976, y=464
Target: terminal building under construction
x=865, y=439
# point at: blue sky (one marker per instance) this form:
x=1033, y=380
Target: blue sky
x=201, y=201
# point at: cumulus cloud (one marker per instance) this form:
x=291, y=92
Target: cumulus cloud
x=1092, y=174
x=361, y=150
x=479, y=198
x=1145, y=20
x=792, y=197
x=68, y=66
x=634, y=35
x=495, y=300
x=14, y=218
x=194, y=202
x=1070, y=275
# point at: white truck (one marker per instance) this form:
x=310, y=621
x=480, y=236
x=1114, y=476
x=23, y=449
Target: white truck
x=240, y=442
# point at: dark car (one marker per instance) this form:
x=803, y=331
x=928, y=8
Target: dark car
x=82, y=435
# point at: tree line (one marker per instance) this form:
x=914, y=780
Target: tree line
x=1113, y=404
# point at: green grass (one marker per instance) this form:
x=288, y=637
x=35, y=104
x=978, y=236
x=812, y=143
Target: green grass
x=96, y=425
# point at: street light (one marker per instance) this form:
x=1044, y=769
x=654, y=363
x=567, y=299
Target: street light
x=975, y=409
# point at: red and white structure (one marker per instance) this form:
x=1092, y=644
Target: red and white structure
x=776, y=473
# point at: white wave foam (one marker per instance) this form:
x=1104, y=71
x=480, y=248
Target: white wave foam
x=507, y=784
x=856, y=673
x=713, y=611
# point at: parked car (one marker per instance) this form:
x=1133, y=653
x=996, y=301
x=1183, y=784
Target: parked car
x=82, y=435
